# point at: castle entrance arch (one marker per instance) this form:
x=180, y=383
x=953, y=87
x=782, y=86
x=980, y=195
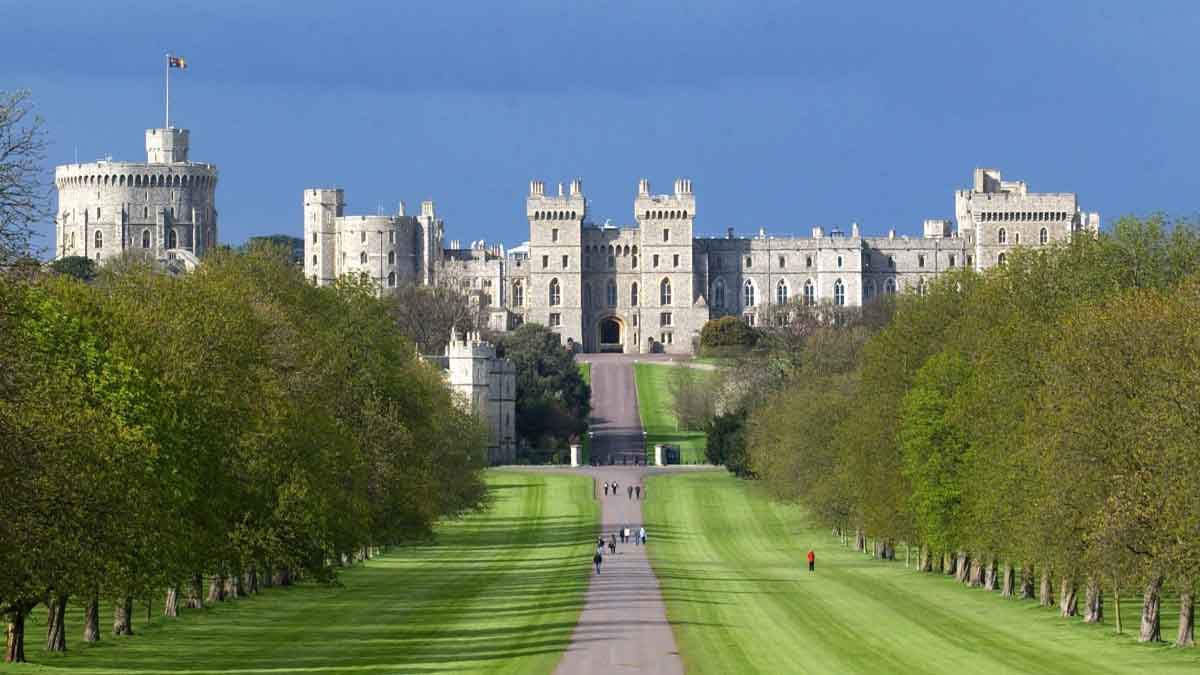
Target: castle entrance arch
x=611, y=331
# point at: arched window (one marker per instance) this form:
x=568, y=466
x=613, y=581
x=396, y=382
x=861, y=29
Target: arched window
x=145, y=238
x=781, y=292
x=748, y=294
x=889, y=286
x=1000, y=259
x=839, y=293
x=314, y=261
x=1043, y=237
x=633, y=295
x=1002, y=236
x=391, y=257
x=362, y=257
x=1017, y=238
x=587, y=296
x=664, y=293
x=391, y=279
x=810, y=293
x=99, y=239
x=555, y=293
x=718, y=294
x=610, y=293
x=172, y=241
x=518, y=294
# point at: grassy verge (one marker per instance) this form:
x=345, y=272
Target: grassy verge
x=499, y=591
x=658, y=420
x=739, y=599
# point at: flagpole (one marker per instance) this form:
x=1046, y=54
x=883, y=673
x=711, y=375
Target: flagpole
x=168, y=116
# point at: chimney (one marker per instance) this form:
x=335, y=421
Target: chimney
x=854, y=230
x=643, y=188
x=576, y=187
x=817, y=232
x=560, y=189
x=400, y=211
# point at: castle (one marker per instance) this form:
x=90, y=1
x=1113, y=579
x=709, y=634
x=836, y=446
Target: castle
x=652, y=285
x=164, y=207
x=487, y=385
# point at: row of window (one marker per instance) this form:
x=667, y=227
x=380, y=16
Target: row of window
x=610, y=294
x=664, y=215
x=136, y=181
x=783, y=292
x=98, y=239
x=1002, y=237
x=1022, y=216
x=554, y=215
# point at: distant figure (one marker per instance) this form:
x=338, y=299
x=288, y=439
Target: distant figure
x=605, y=488
x=612, y=544
x=624, y=535
x=629, y=490
x=600, y=543
x=614, y=487
x=812, y=561
x=642, y=535
x=638, y=490
x=597, y=559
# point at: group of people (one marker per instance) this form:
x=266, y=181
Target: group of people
x=631, y=491
x=625, y=534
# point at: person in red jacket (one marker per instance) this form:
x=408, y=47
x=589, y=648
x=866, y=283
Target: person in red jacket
x=812, y=561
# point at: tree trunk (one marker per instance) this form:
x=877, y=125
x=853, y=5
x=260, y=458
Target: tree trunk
x=252, y=579
x=233, y=586
x=963, y=570
x=1117, y=605
x=283, y=577
x=171, y=602
x=91, y=621
x=1093, y=609
x=948, y=563
x=889, y=550
x=1151, y=619
x=267, y=578
x=56, y=623
x=924, y=559
x=976, y=579
x=989, y=576
x=14, y=649
x=1026, y=582
x=1046, y=593
x=195, y=599
x=216, y=589
x=1187, y=621
x=123, y=616
x=860, y=542
x=1068, y=598
x=1007, y=584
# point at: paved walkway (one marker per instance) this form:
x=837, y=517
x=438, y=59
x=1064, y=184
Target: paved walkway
x=623, y=627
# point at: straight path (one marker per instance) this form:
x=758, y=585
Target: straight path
x=623, y=627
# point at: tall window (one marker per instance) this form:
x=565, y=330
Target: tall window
x=362, y=257
x=748, y=294
x=145, y=238
x=781, y=293
x=362, y=237
x=889, y=286
x=664, y=293
x=555, y=293
x=655, y=260
x=391, y=279
x=518, y=294
x=718, y=294
x=920, y=260
x=565, y=260
x=664, y=319
x=1000, y=258
x=171, y=239
x=545, y=261
x=666, y=235
x=555, y=319
x=782, y=262
x=675, y=261
x=839, y=262
x=810, y=293
x=1002, y=236
x=610, y=293
x=1043, y=237
x=554, y=234
x=950, y=260
x=99, y=239
x=633, y=295
x=391, y=257
x=1017, y=238
x=839, y=293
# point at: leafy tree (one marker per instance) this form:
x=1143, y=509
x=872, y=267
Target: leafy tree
x=553, y=401
x=726, y=336
x=79, y=267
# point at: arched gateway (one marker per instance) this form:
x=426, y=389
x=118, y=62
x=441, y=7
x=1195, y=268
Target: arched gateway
x=611, y=339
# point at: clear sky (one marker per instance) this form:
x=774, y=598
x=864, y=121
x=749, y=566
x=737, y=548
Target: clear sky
x=784, y=114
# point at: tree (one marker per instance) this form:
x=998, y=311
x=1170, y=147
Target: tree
x=79, y=267
x=426, y=314
x=24, y=193
x=726, y=336
x=692, y=397
x=553, y=401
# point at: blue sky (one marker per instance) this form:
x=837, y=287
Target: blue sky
x=785, y=115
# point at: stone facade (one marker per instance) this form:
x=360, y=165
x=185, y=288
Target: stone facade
x=487, y=385
x=165, y=206
x=651, y=286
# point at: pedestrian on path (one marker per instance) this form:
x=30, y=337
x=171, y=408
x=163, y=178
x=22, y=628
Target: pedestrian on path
x=605, y=488
x=597, y=559
x=630, y=491
x=614, y=486
x=612, y=544
x=642, y=536
x=812, y=561
x=600, y=543
x=638, y=489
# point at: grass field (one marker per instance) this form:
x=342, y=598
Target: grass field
x=654, y=406
x=498, y=591
x=730, y=566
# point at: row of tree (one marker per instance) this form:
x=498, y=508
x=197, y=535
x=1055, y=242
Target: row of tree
x=1031, y=427
x=203, y=435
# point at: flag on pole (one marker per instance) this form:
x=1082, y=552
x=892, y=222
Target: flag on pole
x=176, y=62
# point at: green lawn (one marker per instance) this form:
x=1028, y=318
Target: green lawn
x=498, y=591
x=654, y=406
x=731, y=568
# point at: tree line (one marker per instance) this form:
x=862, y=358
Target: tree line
x=199, y=437
x=1031, y=429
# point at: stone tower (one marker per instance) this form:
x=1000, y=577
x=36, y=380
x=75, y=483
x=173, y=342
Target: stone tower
x=322, y=208
x=669, y=285
x=165, y=206
x=555, y=258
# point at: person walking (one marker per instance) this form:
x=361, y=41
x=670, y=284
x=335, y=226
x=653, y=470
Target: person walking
x=612, y=544
x=629, y=490
x=605, y=488
x=597, y=559
x=614, y=487
x=642, y=535
x=638, y=490
x=812, y=561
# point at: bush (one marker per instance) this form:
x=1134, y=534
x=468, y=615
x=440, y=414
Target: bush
x=727, y=336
